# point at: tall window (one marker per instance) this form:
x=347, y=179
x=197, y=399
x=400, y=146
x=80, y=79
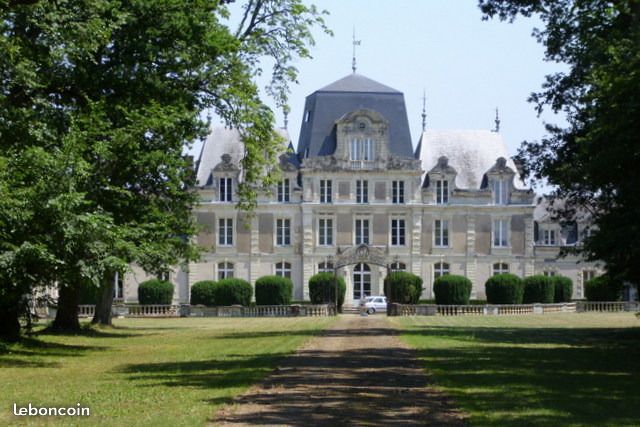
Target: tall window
x=440, y=269
x=284, y=190
x=283, y=232
x=225, y=270
x=325, y=231
x=283, y=269
x=361, y=281
x=118, y=286
x=226, y=189
x=325, y=191
x=549, y=273
x=362, y=231
x=500, y=268
x=397, y=232
x=501, y=233
x=500, y=192
x=442, y=192
x=397, y=192
x=588, y=275
x=362, y=191
x=441, y=230
x=361, y=153
x=549, y=237
x=225, y=231
x=325, y=267
x=398, y=266
x=165, y=276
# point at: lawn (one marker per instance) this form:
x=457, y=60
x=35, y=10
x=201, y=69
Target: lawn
x=160, y=372
x=563, y=369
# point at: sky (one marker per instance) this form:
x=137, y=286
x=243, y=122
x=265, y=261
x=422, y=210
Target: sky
x=466, y=66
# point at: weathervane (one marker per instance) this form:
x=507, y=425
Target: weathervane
x=497, y=121
x=424, y=109
x=355, y=43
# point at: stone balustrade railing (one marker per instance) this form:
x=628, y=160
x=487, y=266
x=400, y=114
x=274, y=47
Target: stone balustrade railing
x=607, y=306
x=480, y=310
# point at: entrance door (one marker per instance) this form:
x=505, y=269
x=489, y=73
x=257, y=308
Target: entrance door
x=361, y=282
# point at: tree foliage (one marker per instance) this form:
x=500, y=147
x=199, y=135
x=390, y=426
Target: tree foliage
x=593, y=161
x=97, y=101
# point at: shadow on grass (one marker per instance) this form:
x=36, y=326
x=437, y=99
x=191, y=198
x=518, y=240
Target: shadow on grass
x=537, y=376
x=26, y=353
x=309, y=333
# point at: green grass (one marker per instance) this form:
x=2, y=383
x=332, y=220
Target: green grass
x=564, y=369
x=160, y=372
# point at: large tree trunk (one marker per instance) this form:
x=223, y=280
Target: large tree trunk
x=102, y=314
x=67, y=315
x=9, y=322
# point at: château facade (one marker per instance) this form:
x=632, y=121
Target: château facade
x=454, y=204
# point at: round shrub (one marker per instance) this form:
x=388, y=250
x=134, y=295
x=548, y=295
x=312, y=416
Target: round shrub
x=563, y=288
x=402, y=287
x=603, y=288
x=322, y=289
x=273, y=290
x=538, y=289
x=452, y=289
x=155, y=291
x=202, y=293
x=504, y=289
x=89, y=293
x=232, y=291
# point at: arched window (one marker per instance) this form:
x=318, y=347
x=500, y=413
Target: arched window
x=361, y=281
x=500, y=268
x=398, y=266
x=440, y=269
x=283, y=269
x=325, y=267
x=225, y=270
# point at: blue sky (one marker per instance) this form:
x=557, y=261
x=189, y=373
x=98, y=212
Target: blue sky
x=467, y=66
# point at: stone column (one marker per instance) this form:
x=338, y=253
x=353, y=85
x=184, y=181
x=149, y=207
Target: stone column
x=254, y=256
x=529, y=267
x=307, y=250
x=471, y=260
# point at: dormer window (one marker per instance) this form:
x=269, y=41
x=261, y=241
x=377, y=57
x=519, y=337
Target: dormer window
x=284, y=191
x=442, y=192
x=500, y=192
x=361, y=153
x=225, y=189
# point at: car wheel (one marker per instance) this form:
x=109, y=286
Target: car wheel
x=371, y=310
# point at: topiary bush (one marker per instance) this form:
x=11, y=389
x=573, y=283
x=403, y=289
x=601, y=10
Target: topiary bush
x=603, y=288
x=89, y=293
x=563, y=288
x=504, y=289
x=232, y=291
x=202, y=293
x=322, y=289
x=452, y=289
x=402, y=287
x=155, y=291
x=273, y=290
x=538, y=289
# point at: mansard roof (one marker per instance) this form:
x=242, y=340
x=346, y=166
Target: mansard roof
x=225, y=141
x=326, y=106
x=472, y=153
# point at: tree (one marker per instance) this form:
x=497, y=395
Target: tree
x=593, y=162
x=105, y=94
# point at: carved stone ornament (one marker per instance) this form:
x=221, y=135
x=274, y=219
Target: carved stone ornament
x=226, y=165
x=361, y=254
x=398, y=163
x=500, y=168
x=286, y=165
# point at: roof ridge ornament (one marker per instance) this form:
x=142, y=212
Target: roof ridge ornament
x=424, y=109
x=497, y=122
x=355, y=43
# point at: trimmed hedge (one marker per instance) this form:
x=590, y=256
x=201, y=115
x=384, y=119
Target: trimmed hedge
x=322, y=289
x=155, y=291
x=89, y=293
x=538, y=289
x=603, y=288
x=563, y=288
x=452, y=290
x=504, y=289
x=202, y=293
x=232, y=291
x=273, y=290
x=402, y=287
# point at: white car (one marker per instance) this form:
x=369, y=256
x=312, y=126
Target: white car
x=375, y=303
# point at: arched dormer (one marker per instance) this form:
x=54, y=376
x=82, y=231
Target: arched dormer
x=362, y=139
x=440, y=181
x=499, y=179
x=224, y=179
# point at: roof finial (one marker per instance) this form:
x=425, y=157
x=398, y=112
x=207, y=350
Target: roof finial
x=424, y=110
x=355, y=43
x=497, y=121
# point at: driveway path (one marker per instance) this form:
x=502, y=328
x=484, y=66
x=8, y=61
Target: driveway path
x=357, y=373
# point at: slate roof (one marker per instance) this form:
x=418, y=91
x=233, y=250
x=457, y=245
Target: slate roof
x=221, y=141
x=353, y=92
x=470, y=152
